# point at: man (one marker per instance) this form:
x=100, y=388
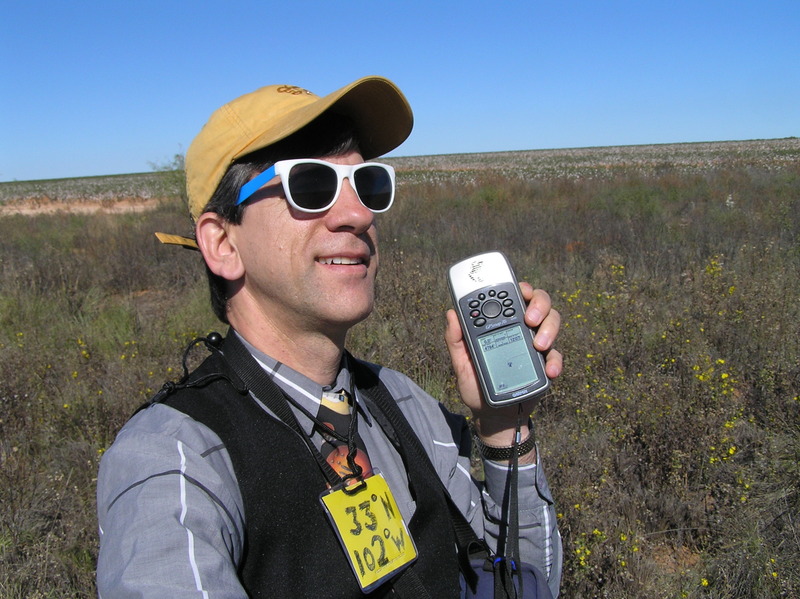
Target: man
x=230, y=482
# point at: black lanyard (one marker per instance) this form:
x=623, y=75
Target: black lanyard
x=349, y=439
x=253, y=376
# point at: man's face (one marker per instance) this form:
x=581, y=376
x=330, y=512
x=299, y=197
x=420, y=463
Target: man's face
x=307, y=272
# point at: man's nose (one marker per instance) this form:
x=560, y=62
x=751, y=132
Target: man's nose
x=349, y=211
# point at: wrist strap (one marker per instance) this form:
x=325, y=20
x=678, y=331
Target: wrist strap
x=490, y=452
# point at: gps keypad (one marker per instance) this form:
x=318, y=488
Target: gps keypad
x=488, y=305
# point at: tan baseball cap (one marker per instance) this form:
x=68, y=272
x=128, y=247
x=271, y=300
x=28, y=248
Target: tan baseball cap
x=379, y=110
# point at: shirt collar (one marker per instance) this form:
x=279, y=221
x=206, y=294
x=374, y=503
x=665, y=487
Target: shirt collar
x=302, y=389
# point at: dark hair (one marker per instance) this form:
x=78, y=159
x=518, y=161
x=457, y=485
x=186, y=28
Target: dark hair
x=328, y=135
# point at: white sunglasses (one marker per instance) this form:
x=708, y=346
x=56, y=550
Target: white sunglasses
x=314, y=185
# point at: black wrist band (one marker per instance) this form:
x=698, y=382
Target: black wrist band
x=500, y=454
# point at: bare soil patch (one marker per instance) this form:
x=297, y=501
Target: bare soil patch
x=36, y=206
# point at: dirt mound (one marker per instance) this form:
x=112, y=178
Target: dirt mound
x=36, y=206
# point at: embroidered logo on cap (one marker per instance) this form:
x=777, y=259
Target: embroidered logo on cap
x=292, y=89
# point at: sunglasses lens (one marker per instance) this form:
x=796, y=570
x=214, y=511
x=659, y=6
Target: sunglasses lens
x=312, y=185
x=374, y=186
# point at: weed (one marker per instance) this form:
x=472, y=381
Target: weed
x=672, y=440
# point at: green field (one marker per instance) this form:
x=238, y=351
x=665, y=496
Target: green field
x=672, y=440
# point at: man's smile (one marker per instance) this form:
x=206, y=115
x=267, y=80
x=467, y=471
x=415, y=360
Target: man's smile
x=340, y=260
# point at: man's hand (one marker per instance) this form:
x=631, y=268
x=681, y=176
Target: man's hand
x=496, y=425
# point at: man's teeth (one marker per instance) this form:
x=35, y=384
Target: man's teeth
x=340, y=261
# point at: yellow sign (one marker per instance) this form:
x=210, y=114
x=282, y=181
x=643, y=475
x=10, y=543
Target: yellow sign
x=371, y=529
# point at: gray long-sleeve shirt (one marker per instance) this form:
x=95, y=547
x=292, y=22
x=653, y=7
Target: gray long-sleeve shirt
x=171, y=517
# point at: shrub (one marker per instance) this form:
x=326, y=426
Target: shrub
x=672, y=440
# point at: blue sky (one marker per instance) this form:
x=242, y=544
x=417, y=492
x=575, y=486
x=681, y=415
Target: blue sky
x=96, y=88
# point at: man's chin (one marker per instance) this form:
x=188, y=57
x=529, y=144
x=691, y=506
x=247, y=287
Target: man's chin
x=342, y=313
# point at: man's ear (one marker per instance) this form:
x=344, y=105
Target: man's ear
x=218, y=249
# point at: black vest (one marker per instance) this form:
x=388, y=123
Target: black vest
x=290, y=548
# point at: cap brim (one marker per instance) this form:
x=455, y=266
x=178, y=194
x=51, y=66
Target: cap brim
x=381, y=114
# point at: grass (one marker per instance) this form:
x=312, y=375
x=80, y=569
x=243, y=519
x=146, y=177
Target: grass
x=157, y=184
x=672, y=441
